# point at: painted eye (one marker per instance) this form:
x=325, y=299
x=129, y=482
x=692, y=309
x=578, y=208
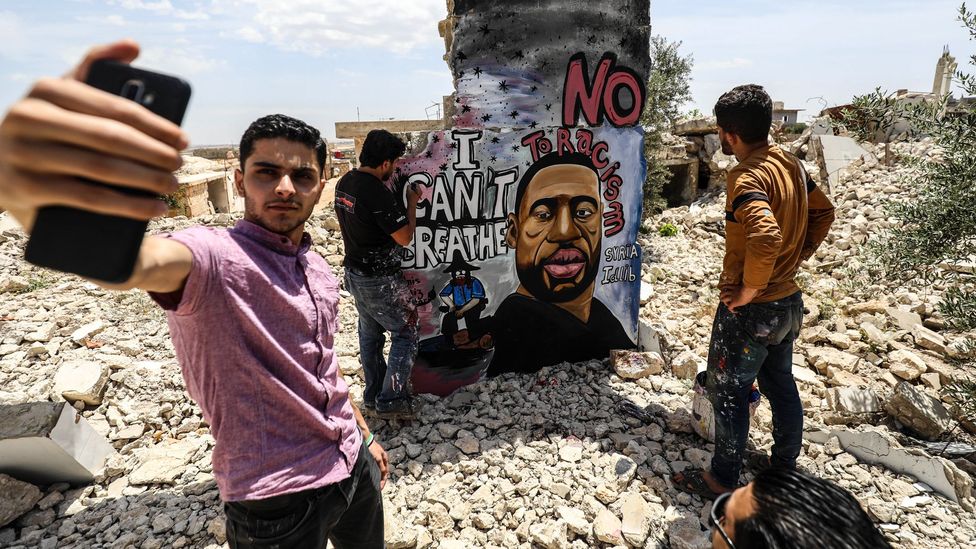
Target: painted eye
x=584, y=213
x=542, y=214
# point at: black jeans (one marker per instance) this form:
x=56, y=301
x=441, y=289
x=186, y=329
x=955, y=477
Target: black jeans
x=349, y=514
x=755, y=342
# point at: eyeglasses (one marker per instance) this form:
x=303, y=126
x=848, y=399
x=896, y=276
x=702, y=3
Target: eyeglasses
x=717, y=514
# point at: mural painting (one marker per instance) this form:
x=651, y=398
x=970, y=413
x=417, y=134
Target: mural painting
x=525, y=252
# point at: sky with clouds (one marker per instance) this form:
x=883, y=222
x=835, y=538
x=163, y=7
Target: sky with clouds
x=329, y=60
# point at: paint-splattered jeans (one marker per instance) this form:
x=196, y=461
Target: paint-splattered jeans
x=755, y=342
x=385, y=305
x=348, y=513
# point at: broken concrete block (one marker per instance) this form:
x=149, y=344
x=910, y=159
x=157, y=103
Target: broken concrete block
x=687, y=365
x=906, y=320
x=16, y=498
x=932, y=381
x=87, y=331
x=81, y=380
x=48, y=442
x=853, y=400
x=874, y=336
x=875, y=447
x=919, y=411
x=636, y=364
x=637, y=518
x=906, y=364
x=648, y=337
x=927, y=339
x=163, y=463
x=606, y=528
x=823, y=357
x=646, y=292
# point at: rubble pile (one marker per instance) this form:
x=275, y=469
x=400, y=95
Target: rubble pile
x=575, y=456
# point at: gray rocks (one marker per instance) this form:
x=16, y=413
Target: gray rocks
x=16, y=498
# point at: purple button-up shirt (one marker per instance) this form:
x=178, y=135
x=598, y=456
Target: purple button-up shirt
x=254, y=332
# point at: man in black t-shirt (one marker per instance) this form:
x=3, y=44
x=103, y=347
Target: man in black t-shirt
x=374, y=226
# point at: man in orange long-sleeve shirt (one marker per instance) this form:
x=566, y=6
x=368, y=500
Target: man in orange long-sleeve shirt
x=776, y=217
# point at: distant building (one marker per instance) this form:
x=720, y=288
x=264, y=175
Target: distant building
x=783, y=116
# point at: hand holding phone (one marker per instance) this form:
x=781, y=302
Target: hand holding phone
x=65, y=130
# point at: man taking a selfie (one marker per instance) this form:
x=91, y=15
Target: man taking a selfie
x=252, y=311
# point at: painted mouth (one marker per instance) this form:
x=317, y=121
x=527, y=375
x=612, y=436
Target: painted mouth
x=564, y=264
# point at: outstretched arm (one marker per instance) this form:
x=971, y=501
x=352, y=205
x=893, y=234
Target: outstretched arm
x=64, y=130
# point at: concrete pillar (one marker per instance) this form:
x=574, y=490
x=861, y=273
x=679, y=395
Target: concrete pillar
x=48, y=442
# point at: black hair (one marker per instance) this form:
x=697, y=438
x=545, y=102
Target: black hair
x=746, y=111
x=292, y=129
x=380, y=146
x=549, y=160
x=795, y=510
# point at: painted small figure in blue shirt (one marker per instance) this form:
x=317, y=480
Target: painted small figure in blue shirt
x=464, y=297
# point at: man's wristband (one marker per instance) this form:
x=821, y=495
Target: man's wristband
x=369, y=440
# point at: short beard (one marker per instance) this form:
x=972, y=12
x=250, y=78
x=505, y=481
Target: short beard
x=253, y=217
x=533, y=280
x=727, y=148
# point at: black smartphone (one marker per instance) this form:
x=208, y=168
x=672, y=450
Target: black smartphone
x=105, y=247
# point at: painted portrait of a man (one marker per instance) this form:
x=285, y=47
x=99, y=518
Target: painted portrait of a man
x=556, y=233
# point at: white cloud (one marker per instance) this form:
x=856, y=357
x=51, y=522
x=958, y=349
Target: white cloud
x=184, y=61
x=317, y=27
x=113, y=20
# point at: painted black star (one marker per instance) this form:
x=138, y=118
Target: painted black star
x=477, y=71
x=494, y=158
x=483, y=29
x=623, y=42
x=428, y=154
x=461, y=56
x=436, y=138
x=591, y=39
x=453, y=145
x=513, y=114
x=457, y=99
x=548, y=106
x=534, y=125
x=534, y=89
x=515, y=148
x=460, y=74
x=503, y=85
x=465, y=108
x=518, y=54
x=443, y=167
x=486, y=117
x=495, y=140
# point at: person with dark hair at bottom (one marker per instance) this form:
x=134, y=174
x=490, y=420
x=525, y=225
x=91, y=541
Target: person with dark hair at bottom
x=788, y=509
x=556, y=232
x=374, y=226
x=252, y=311
x=776, y=218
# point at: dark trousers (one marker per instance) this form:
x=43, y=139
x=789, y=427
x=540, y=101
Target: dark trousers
x=472, y=319
x=755, y=342
x=349, y=514
x=385, y=305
